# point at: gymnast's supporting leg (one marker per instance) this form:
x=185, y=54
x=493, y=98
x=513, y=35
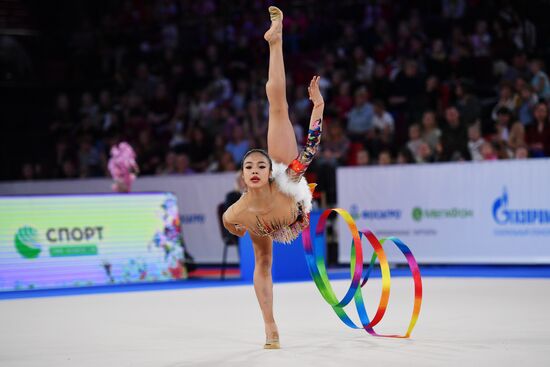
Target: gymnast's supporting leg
x=263, y=286
x=281, y=140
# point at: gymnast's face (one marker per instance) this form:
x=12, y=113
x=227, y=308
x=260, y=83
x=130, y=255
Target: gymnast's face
x=256, y=171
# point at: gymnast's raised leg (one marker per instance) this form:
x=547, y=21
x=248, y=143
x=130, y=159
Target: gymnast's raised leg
x=281, y=140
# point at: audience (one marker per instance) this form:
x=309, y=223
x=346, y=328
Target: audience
x=184, y=83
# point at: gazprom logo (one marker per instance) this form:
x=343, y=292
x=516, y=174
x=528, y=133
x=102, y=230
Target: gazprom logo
x=382, y=214
x=503, y=215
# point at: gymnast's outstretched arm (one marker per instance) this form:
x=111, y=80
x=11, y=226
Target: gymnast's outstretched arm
x=298, y=167
x=228, y=222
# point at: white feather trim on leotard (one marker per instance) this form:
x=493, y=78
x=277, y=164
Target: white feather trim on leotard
x=298, y=190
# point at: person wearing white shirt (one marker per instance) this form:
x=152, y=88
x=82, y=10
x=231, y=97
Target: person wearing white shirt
x=475, y=142
x=382, y=119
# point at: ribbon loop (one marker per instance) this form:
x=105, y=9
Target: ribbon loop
x=314, y=251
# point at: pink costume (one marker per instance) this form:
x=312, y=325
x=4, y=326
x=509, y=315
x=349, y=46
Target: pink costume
x=123, y=167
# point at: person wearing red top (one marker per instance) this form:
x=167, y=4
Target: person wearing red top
x=537, y=135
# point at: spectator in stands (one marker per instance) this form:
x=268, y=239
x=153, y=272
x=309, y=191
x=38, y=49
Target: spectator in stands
x=88, y=108
x=362, y=157
x=182, y=164
x=475, y=142
x=63, y=118
x=488, y=152
x=521, y=152
x=380, y=84
x=364, y=65
x=507, y=99
x=177, y=127
x=333, y=153
x=27, y=172
x=408, y=90
x=384, y=158
x=404, y=156
x=161, y=106
x=68, y=169
x=134, y=111
x=518, y=69
x=454, y=137
x=255, y=119
x=528, y=100
x=502, y=150
x=222, y=90
x=343, y=101
x=415, y=141
x=503, y=121
x=169, y=165
x=335, y=145
x=302, y=104
x=453, y=9
x=517, y=136
x=538, y=133
x=481, y=40
x=459, y=52
x=431, y=98
x=239, y=145
x=148, y=152
x=199, y=149
x=540, y=81
x=224, y=163
x=382, y=119
x=240, y=96
x=467, y=104
x=430, y=132
x=296, y=126
x=360, y=116
x=145, y=83
x=438, y=62
x=89, y=158
x=425, y=154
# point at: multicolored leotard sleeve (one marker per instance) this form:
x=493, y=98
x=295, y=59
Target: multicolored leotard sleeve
x=298, y=167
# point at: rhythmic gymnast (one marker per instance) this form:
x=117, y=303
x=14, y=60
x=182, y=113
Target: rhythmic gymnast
x=277, y=200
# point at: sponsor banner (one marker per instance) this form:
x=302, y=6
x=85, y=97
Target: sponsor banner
x=198, y=198
x=488, y=212
x=80, y=240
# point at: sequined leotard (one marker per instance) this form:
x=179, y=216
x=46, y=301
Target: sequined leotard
x=291, y=182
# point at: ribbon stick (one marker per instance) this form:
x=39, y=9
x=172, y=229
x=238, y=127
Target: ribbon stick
x=314, y=251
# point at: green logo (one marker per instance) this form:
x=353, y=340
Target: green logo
x=417, y=214
x=452, y=213
x=26, y=242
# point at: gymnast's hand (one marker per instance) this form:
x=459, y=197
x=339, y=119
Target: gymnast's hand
x=314, y=92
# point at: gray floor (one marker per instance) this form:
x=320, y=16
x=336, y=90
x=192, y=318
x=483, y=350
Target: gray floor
x=464, y=322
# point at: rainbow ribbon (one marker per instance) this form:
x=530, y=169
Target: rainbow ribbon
x=316, y=263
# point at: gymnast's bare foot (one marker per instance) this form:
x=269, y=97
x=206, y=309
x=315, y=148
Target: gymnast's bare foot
x=275, y=33
x=271, y=336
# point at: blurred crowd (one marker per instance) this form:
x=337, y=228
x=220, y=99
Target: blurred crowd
x=404, y=82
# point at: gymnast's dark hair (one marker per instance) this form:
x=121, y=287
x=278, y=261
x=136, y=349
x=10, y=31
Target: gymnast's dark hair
x=262, y=152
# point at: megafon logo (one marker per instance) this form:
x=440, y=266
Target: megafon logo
x=26, y=242
x=419, y=214
x=503, y=215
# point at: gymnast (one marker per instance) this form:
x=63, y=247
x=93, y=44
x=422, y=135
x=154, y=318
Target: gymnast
x=277, y=198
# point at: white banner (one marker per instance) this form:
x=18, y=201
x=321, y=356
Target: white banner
x=198, y=198
x=488, y=212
